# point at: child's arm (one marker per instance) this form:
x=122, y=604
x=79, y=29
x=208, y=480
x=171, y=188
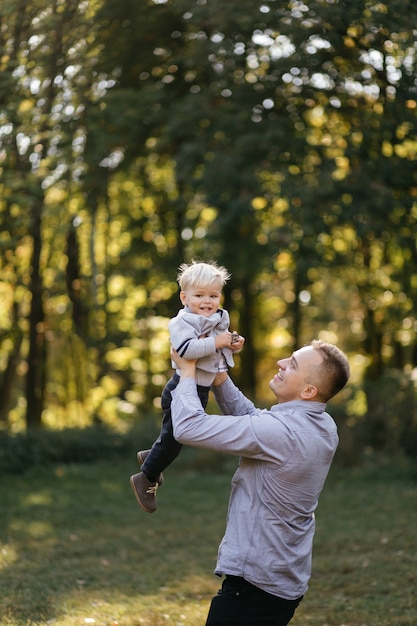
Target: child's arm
x=186, y=339
x=198, y=347
x=188, y=342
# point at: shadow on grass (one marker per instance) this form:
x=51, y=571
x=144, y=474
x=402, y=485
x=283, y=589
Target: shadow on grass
x=74, y=545
x=72, y=534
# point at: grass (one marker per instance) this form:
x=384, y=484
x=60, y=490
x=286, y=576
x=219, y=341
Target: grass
x=76, y=549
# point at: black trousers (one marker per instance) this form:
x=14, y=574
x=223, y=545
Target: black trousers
x=239, y=603
x=166, y=449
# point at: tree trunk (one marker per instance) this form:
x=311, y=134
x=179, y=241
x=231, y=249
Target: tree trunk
x=248, y=357
x=35, y=379
x=9, y=376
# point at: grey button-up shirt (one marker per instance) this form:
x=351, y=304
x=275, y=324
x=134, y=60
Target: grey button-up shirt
x=285, y=455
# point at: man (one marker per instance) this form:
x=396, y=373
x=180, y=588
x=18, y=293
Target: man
x=285, y=455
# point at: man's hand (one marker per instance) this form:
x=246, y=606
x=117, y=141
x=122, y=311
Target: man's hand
x=186, y=366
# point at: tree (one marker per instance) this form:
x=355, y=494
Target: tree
x=39, y=58
x=279, y=140
x=296, y=92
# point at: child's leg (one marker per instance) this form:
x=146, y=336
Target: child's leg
x=203, y=394
x=166, y=448
x=163, y=452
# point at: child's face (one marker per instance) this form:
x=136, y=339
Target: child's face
x=202, y=300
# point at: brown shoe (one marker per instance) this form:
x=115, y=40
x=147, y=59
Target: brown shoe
x=145, y=492
x=141, y=456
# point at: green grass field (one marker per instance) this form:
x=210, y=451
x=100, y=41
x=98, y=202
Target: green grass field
x=76, y=549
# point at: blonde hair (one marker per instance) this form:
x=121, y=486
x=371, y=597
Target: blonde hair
x=201, y=274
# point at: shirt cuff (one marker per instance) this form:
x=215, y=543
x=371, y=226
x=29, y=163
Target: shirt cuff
x=186, y=384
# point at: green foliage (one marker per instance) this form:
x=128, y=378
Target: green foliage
x=391, y=421
x=42, y=448
x=299, y=105
x=279, y=140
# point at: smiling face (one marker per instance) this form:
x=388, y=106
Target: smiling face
x=297, y=376
x=202, y=300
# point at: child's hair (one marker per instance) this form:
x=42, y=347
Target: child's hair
x=201, y=274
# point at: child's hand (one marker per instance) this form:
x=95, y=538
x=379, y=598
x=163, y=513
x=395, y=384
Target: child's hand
x=237, y=342
x=224, y=340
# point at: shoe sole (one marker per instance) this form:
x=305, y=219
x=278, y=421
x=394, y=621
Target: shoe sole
x=132, y=484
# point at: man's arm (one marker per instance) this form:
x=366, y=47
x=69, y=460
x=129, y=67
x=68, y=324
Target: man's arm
x=187, y=366
x=194, y=427
x=229, y=398
x=228, y=433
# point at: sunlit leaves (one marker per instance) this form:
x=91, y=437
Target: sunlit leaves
x=280, y=139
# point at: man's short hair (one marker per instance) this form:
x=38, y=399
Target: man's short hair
x=334, y=369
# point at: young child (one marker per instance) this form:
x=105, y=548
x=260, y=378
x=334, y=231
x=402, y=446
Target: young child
x=199, y=331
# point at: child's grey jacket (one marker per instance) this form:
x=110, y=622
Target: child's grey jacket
x=193, y=337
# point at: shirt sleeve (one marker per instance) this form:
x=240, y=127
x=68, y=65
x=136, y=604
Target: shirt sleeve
x=231, y=400
x=254, y=434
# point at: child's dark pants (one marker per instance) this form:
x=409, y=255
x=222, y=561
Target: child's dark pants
x=166, y=449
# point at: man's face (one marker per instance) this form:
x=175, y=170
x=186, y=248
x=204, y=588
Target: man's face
x=294, y=380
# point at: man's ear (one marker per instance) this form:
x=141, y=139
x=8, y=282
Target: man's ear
x=309, y=393
x=183, y=298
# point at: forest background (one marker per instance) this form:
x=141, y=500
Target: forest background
x=278, y=138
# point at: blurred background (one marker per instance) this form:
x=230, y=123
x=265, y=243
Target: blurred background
x=277, y=138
